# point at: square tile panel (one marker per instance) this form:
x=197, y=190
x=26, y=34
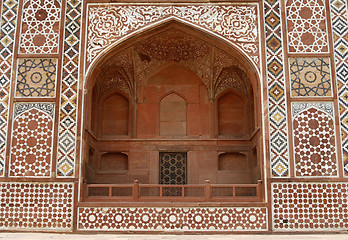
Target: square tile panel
x=36, y=77
x=310, y=77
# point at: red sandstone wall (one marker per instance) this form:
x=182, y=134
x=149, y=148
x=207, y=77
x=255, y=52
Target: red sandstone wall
x=301, y=58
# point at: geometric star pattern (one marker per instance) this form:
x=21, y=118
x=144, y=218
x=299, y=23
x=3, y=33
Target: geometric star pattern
x=178, y=219
x=40, y=26
x=7, y=39
x=36, y=77
x=310, y=77
x=339, y=19
x=67, y=131
x=278, y=128
x=306, y=26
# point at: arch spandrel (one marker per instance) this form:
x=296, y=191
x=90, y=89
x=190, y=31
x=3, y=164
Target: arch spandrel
x=109, y=24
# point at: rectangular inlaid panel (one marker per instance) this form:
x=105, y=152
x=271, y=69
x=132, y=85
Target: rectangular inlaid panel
x=339, y=19
x=32, y=139
x=69, y=91
x=306, y=24
x=309, y=206
x=277, y=109
x=7, y=38
x=310, y=77
x=314, y=139
x=36, y=206
x=40, y=26
x=178, y=219
x=36, y=77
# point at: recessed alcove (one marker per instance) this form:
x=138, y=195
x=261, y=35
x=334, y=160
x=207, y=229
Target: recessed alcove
x=172, y=91
x=173, y=116
x=114, y=115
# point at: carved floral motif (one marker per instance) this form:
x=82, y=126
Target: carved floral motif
x=107, y=24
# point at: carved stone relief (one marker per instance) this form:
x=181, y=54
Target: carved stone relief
x=133, y=66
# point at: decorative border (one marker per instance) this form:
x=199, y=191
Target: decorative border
x=67, y=131
x=22, y=107
x=175, y=219
x=339, y=19
x=278, y=126
x=326, y=107
x=111, y=22
x=7, y=40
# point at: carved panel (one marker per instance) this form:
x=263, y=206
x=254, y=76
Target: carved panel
x=173, y=45
x=236, y=23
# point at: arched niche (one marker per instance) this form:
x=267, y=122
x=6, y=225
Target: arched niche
x=114, y=115
x=183, y=77
x=235, y=114
x=111, y=111
x=173, y=116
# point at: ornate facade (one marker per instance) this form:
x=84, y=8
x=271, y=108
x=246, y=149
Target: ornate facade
x=174, y=116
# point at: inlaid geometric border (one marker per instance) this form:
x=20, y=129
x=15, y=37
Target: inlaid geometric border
x=309, y=206
x=235, y=22
x=339, y=19
x=178, y=219
x=7, y=39
x=277, y=109
x=69, y=91
x=36, y=206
